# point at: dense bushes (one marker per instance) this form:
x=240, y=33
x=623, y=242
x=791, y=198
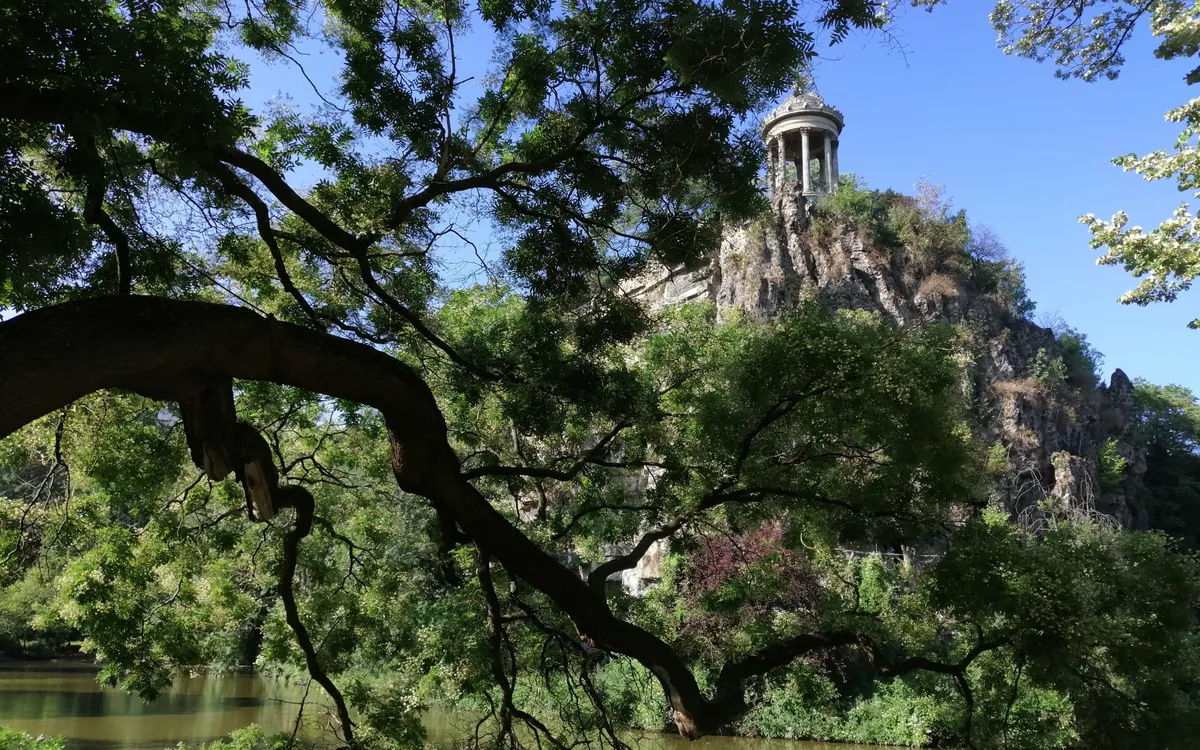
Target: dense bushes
x=1167, y=422
x=937, y=238
x=807, y=706
x=11, y=740
x=22, y=634
x=868, y=209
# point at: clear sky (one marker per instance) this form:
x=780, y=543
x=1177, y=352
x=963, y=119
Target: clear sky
x=1020, y=150
x=1026, y=154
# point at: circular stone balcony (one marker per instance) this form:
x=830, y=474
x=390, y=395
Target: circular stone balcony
x=802, y=142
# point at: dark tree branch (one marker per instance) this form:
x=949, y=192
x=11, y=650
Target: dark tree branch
x=262, y=220
x=167, y=349
x=587, y=511
x=563, y=475
x=496, y=645
x=302, y=501
x=93, y=209
x=496, y=638
x=597, y=578
x=356, y=246
x=21, y=102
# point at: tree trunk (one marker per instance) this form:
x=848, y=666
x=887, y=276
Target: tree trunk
x=170, y=349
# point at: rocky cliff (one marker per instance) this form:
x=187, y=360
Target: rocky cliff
x=1043, y=428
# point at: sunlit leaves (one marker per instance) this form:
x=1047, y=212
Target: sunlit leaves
x=1101, y=614
x=1086, y=40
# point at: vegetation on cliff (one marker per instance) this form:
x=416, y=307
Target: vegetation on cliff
x=248, y=421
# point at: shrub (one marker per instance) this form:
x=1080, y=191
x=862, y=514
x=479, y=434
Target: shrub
x=1112, y=464
x=632, y=695
x=13, y=740
x=938, y=284
x=801, y=706
x=867, y=209
x=1081, y=358
x=926, y=226
x=1003, y=281
x=744, y=581
x=806, y=706
x=1017, y=387
x=1051, y=371
x=251, y=738
x=25, y=630
x=895, y=715
x=997, y=459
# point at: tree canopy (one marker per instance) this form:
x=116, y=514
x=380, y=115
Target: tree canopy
x=445, y=478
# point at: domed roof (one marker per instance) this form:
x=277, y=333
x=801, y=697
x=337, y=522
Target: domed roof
x=803, y=102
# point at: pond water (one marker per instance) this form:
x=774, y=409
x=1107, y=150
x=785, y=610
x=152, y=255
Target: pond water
x=66, y=700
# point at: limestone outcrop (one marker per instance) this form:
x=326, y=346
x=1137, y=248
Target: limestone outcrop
x=1043, y=435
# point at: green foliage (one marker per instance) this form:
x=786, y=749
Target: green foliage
x=1124, y=599
x=867, y=208
x=895, y=714
x=1112, y=464
x=937, y=238
x=1167, y=423
x=807, y=706
x=1086, y=40
x=250, y=738
x=1081, y=359
x=1048, y=370
x=773, y=457
x=1005, y=280
x=997, y=459
x=1075, y=363
x=13, y=740
x=928, y=227
x=28, y=629
x=1086, y=46
x=632, y=695
x=1168, y=417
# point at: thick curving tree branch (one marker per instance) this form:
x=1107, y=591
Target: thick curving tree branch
x=299, y=498
x=59, y=107
x=169, y=349
x=172, y=350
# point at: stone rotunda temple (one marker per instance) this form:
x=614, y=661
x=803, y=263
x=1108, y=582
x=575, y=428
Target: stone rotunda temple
x=802, y=144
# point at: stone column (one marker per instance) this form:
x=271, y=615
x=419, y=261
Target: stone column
x=827, y=167
x=833, y=172
x=774, y=161
x=805, y=183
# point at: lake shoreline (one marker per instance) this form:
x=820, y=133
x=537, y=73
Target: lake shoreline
x=62, y=697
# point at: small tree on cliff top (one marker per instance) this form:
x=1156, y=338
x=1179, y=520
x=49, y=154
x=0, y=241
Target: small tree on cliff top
x=302, y=341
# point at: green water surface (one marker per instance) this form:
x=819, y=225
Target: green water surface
x=66, y=700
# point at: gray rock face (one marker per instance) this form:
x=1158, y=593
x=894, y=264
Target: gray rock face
x=1049, y=433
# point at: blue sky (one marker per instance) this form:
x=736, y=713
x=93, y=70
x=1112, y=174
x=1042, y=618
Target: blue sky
x=1025, y=154
x=1020, y=150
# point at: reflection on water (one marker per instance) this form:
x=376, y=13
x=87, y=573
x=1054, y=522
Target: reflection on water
x=66, y=700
